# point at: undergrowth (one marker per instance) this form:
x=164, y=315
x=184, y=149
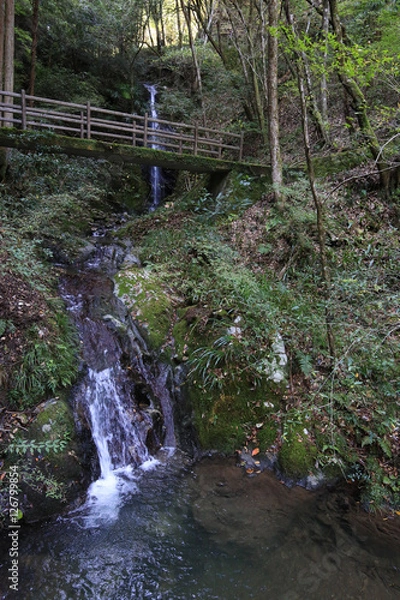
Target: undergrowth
x=266, y=279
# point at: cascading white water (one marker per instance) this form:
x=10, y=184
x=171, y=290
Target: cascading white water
x=156, y=179
x=106, y=397
x=119, y=440
x=116, y=433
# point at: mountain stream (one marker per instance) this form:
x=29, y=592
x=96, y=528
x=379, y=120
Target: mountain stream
x=156, y=525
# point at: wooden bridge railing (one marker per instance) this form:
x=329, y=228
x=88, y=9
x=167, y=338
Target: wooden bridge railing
x=88, y=122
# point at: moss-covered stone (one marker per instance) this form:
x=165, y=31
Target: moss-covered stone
x=51, y=471
x=54, y=421
x=180, y=334
x=226, y=417
x=150, y=301
x=130, y=188
x=298, y=452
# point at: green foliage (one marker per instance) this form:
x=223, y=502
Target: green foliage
x=40, y=482
x=147, y=294
x=49, y=363
x=212, y=364
x=298, y=452
x=335, y=419
x=3, y=326
x=22, y=446
x=50, y=202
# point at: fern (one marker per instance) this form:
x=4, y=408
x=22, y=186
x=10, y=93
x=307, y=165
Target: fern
x=305, y=363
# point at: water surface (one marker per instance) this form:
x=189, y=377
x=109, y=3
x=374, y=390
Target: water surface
x=213, y=533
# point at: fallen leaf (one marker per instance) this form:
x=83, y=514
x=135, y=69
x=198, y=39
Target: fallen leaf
x=255, y=451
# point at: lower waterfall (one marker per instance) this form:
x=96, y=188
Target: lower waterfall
x=127, y=407
x=155, y=526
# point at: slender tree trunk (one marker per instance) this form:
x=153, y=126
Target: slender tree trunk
x=312, y=101
x=325, y=273
x=359, y=102
x=3, y=151
x=210, y=18
x=206, y=25
x=6, y=71
x=2, y=34
x=249, y=59
x=273, y=103
x=324, y=85
x=179, y=23
x=250, y=105
x=8, y=57
x=199, y=83
x=35, y=23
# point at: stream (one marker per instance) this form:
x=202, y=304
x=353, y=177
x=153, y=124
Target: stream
x=157, y=525
x=212, y=533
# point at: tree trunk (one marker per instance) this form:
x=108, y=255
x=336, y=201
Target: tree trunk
x=8, y=58
x=179, y=24
x=199, y=83
x=273, y=103
x=35, y=23
x=2, y=34
x=324, y=85
x=359, y=103
x=325, y=273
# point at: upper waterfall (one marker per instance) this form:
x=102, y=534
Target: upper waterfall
x=156, y=177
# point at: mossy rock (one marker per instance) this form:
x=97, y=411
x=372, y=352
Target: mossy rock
x=298, y=453
x=54, y=421
x=226, y=416
x=130, y=188
x=188, y=334
x=50, y=478
x=150, y=301
x=180, y=334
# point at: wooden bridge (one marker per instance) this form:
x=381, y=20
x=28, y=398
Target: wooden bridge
x=31, y=122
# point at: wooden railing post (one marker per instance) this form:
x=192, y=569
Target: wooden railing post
x=220, y=148
x=134, y=132
x=23, y=110
x=82, y=123
x=145, y=132
x=196, y=139
x=88, y=123
x=241, y=145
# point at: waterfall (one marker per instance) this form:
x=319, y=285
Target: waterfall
x=116, y=403
x=156, y=177
x=120, y=443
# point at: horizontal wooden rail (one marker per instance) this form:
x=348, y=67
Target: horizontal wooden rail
x=85, y=121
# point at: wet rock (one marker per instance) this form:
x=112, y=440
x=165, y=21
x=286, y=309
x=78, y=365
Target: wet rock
x=52, y=472
x=131, y=260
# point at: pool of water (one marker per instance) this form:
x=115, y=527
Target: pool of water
x=211, y=532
